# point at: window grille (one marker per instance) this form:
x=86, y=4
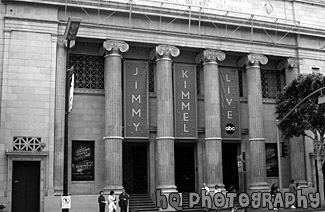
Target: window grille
x=315, y=146
x=240, y=83
x=88, y=70
x=26, y=144
x=152, y=76
x=271, y=83
x=198, y=79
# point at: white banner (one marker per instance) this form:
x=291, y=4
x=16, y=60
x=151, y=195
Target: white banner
x=71, y=93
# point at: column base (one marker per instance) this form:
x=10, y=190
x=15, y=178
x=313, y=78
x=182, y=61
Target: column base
x=166, y=190
x=259, y=187
x=212, y=187
x=58, y=191
x=50, y=192
x=117, y=189
x=302, y=184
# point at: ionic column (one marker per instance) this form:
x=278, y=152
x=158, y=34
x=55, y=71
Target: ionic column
x=165, y=120
x=60, y=74
x=113, y=114
x=297, y=147
x=255, y=113
x=213, y=143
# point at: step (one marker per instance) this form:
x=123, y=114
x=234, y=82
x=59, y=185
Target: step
x=141, y=203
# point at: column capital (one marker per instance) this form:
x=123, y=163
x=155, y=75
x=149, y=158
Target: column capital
x=252, y=59
x=210, y=56
x=166, y=51
x=62, y=42
x=115, y=47
x=288, y=63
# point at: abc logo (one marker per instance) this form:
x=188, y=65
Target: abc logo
x=230, y=128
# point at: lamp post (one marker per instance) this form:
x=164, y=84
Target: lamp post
x=279, y=156
x=69, y=34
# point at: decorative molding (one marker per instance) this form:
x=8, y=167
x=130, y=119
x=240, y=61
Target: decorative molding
x=166, y=51
x=254, y=59
x=115, y=46
x=87, y=91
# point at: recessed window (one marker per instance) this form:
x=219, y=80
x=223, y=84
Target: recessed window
x=88, y=70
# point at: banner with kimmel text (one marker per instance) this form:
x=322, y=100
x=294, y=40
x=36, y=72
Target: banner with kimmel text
x=185, y=101
x=136, y=123
x=229, y=104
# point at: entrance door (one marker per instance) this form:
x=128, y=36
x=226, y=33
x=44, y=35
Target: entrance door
x=184, y=167
x=229, y=164
x=135, y=168
x=26, y=186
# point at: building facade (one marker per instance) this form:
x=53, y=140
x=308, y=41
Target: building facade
x=167, y=95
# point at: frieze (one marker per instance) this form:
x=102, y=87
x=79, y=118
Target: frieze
x=165, y=51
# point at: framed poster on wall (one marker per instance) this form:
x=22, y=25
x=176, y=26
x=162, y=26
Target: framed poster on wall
x=271, y=155
x=82, y=161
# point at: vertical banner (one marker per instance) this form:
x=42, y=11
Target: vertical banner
x=185, y=101
x=136, y=123
x=229, y=104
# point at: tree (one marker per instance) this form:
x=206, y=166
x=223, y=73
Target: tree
x=300, y=115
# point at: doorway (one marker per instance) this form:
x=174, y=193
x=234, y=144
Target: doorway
x=135, y=168
x=26, y=186
x=185, y=167
x=229, y=165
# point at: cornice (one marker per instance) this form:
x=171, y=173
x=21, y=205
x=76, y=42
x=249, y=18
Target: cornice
x=291, y=26
x=31, y=20
x=287, y=25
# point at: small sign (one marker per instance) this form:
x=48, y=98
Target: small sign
x=240, y=166
x=321, y=99
x=230, y=128
x=66, y=202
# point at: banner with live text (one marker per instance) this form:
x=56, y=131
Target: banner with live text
x=229, y=104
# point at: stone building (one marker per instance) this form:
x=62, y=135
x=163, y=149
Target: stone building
x=167, y=95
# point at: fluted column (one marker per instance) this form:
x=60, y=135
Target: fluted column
x=213, y=143
x=255, y=114
x=60, y=74
x=113, y=114
x=165, y=120
x=297, y=147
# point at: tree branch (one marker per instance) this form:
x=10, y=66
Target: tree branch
x=312, y=138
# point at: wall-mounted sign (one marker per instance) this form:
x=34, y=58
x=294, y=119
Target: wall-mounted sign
x=136, y=123
x=185, y=101
x=271, y=155
x=82, y=161
x=210, y=6
x=66, y=202
x=229, y=104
